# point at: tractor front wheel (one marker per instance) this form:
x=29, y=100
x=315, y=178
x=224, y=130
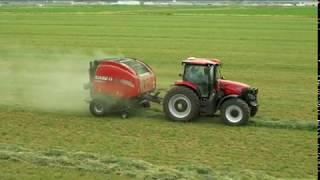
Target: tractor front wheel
x=97, y=108
x=235, y=111
x=181, y=104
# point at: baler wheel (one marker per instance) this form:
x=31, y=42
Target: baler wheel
x=124, y=115
x=146, y=104
x=97, y=108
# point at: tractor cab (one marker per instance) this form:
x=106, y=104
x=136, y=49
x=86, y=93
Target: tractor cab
x=203, y=74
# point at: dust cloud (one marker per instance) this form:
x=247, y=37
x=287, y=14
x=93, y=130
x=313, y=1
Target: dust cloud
x=50, y=81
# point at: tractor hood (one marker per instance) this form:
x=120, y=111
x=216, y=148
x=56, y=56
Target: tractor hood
x=232, y=87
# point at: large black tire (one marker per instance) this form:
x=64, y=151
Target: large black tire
x=97, y=108
x=235, y=111
x=181, y=104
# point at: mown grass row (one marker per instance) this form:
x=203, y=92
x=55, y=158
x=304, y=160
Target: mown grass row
x=121, y=166
x=285, y=124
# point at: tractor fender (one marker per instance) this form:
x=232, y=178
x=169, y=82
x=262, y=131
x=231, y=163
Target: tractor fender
x=195, y=90
x=189, y=85
x=222, y=100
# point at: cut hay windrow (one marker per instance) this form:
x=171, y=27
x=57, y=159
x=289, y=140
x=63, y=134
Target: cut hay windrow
x=285, y=124
x=126, y=167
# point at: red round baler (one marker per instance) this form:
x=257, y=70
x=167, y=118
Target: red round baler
x=120, y=83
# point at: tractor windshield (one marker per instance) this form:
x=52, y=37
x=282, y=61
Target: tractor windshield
x=199, y=75
x=196, y=74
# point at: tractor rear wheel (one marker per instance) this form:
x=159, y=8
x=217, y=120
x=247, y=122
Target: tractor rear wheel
x=181, y=104
x=235, y=111
x=97, y=108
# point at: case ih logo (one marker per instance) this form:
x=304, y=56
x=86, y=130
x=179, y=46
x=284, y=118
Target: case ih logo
x=111, y=79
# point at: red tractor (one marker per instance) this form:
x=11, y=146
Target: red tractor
x=203, y=90
x=122, y=83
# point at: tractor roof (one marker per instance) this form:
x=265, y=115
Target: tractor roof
x=201, y=61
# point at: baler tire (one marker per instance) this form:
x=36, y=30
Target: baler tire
x=181, y=94
x=97, y=108
x=235, y=112
x=124, y=115
x=146, y=104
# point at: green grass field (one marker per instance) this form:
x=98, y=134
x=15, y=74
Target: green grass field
x=44, y=55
